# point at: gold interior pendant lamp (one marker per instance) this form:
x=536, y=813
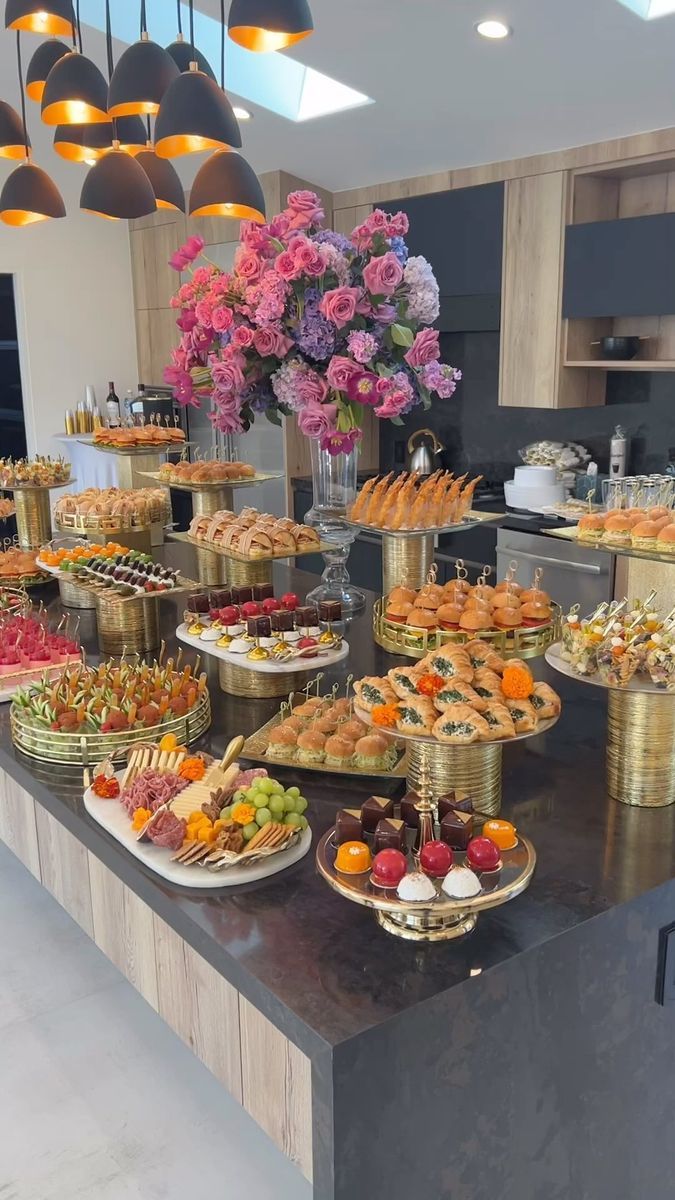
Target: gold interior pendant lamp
x=141, y=77
x=46, y=56
x=75, y=91
x=182, y=52
x=55, y=17
x=28, y=195
x=13, y=140
x=264, y=25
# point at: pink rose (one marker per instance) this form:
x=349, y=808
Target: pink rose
x=242, y=337
x=317, y=420
x=253, y=237
x=340, y=371
x=425, y=348
x=310, y=388
x=304, y=209
x=221, y=318
x=307, y=257
x=202, y=276
x=203, y=312
x=393, y=405
x=269, y=341
x=248, y=264
x=226, y=413
x=378, y=221
x=287, y=266
x=339, y=305
x=382, y=275
x=362, y=238
x=227, y=375
x=279, y=226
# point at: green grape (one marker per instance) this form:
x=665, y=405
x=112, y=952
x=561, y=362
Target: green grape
x=263, y=816
x=226, y=813
x=293, y=791
x=278, y=788
x=260, y=800
x=300, y=804
x=289, y=803
x=250, y=831
x=304, y=822
x=250, y=793
x=276, y=806
x=239, y=796
x=266, y=786
x=293, y=818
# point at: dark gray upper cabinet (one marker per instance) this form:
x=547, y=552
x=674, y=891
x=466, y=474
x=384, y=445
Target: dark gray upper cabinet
x=622, y=268
x=460, y=232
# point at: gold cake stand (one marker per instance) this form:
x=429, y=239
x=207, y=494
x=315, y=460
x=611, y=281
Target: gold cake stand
x=209, y=498
x=33, y=512
x=440, y=919
x=475, y=768
x=640, y=738
x=524, y=642
x=408, y=554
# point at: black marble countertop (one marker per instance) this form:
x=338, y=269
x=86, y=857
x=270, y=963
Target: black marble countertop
x=319, y=966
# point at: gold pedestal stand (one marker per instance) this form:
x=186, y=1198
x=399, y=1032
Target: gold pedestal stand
x=132, y=625
x=74, y=596
x=426, y=927
x=212, y=500
x=245, y=574
x=211, y=568
x=640, y=745
x=406, y=559
x=33, y=517
x=239, y=681
x=476, y=769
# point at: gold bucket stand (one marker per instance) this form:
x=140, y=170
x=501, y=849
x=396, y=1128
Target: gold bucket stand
x=641, y=748
x=33, y=517
x=212, y=500
x=240, y=681
x=132, y=625
x=406, y=559
x=74, y=596
x=476, y=769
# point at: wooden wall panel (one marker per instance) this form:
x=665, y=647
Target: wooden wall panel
x=276, y=1086
x=199, y=1005
x=123, y=929
x=17, y=823
x=64, y=867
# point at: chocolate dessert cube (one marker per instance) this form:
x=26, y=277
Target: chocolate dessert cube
x=306, y=616
x=198, y=603
x=258, y=626
x=374, y=809
x=390, y=835
x=457, y=829
x=240, y=595
x=330, y=610
x=409, y=812
x=263, y=591
x=454, y=800
x=221, y=598
x=348, y=827
x=283, y=622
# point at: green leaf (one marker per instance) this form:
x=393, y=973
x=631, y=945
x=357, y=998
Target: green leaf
x=396, y=420
x=401, y=335
x=273, y=416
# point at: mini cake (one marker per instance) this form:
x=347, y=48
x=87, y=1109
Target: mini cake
x=374, y=810
x=454, y=801
x=461, y=883
x=436, y=859
x=389, y=867
x=456, y=829
x=348, y=826
x=482, y=854
x=353, y=858
x=416, y=887
x=390, y=834
x=502, y=833
x=409, y=813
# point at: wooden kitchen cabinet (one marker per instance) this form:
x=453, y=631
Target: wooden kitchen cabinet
x=531, y=372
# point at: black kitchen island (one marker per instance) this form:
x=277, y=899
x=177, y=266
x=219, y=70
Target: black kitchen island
x=528, y=1060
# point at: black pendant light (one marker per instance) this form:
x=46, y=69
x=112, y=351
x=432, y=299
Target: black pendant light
x=86, y=143
x=141, y=76
x=75, y=93
x=227, y=186
x=46, y=56
x=116, y=186
x=183, y=53
x=12, y=139
x=269, y=24
x=131, y=134
x=28, y=195
x=40, y=16
x=195, y=114
x=164, y=178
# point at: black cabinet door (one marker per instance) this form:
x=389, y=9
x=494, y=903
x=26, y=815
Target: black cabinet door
x=623, y=268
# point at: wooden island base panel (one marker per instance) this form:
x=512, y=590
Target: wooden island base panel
x=269, y=1076
x=493, y=1066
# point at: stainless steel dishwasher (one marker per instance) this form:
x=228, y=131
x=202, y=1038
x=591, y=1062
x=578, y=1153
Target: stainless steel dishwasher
x=572, y=574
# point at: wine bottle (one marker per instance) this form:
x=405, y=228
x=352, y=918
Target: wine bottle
x=112, y=405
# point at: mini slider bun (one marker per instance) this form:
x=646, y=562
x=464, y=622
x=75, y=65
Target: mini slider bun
x=506, y=586
x=474, y=619
x=618, y=529
x=666, y=539
x=534, y=595
x=505, y=600
x=482, y=591
x=339, y=747
x=477, y=604
x=644, y=533
x=532, y=613
x=422, y=618
x=507, y=618
x=460, y=585
x=658, y=511
x=373, y=745
x=402, y=595
x=591, y=526
x=398, y=610
x=430, y=596
x=448, y=616
x=312, y=740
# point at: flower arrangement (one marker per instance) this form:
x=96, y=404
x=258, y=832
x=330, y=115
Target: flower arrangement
x=312, y=323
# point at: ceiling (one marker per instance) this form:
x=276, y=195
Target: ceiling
x=574, y=71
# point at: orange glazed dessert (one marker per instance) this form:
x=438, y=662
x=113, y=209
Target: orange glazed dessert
x=353, y=858
x=502, y=833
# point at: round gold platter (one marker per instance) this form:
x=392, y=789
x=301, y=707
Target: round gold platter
x=440, y=919
x=524, y=642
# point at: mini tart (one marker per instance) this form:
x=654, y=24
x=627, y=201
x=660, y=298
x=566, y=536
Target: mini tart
x=422, y=618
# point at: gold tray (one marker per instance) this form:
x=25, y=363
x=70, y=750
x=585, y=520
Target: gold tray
x=570, y=534
x=136, y=451
x=256, y=745
x=35, y=487
x=440, y=919
x=471, y=519
x=89, y=748
x=77, y=523
x=245, y=558
x=215, y=486
x=524, y=642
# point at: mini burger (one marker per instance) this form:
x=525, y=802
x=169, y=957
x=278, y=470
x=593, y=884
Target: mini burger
x=398, y=610
x=448, y=616
x=591, y=527
x=665, y=541
x=532, y=613
x=475, y=619
x=402, y=595
x=311, y=746
x=422, y=618
x=643, y=535
x=618, y=530
x=507, y=618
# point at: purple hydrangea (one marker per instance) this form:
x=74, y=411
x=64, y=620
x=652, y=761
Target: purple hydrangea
x=315, y=336
x=330, y=237
x=400, y=249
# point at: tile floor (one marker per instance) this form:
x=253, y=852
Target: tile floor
x=98, y=1098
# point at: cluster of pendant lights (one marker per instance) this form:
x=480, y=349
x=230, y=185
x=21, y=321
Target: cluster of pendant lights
x=108, y=125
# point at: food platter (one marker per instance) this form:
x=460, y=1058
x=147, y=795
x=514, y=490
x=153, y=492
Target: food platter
x=113, y=818
x=101, y=591
x=138, y=451
x=437, y=919
x=643, y=687
x=427, y=740
x=255, y=748
x=216, y=486
x=199, y=544
x=523, y=642
x=570, y=534
x=469, y=521
x=325, y=658
x=35, y=487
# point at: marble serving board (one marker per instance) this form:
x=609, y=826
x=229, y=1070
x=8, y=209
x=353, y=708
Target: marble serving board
x=267, y=666
x=113, y=818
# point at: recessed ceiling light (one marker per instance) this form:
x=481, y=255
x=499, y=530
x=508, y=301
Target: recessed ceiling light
x=242, y=114
x=493, y=29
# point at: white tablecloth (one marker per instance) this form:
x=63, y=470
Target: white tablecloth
x=91, y=468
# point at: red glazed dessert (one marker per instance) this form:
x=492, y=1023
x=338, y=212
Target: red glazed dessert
x=483, y=855
x=436, y=859
x=289, y=601
x=389, y=867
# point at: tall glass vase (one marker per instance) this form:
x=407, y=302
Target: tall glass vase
x=334, y=489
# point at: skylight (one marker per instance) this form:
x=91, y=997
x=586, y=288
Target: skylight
x=649, y=9
x=272, y=81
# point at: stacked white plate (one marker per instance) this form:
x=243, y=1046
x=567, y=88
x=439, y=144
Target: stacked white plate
x=534, y=488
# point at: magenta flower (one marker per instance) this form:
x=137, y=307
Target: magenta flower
x=341, y=443
x=424, y=350
x=363, y=388
x=317, y=421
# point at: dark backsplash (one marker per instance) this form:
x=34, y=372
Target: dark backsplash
x=480, y=435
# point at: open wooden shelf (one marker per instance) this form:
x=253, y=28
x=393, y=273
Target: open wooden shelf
x=631, y=364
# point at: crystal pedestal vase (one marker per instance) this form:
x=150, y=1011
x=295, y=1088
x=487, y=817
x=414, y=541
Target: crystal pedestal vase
x=334, y=489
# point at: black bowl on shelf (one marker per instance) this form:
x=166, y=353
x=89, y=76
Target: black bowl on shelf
x=619, y=347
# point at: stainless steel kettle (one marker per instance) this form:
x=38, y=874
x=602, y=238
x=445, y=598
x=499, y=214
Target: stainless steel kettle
x=422, y=452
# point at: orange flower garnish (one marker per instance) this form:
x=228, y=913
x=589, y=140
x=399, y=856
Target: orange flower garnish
x=193, y=769
x=430, y=685
x=385, y=715
x=517, y=683
x=243, y=814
